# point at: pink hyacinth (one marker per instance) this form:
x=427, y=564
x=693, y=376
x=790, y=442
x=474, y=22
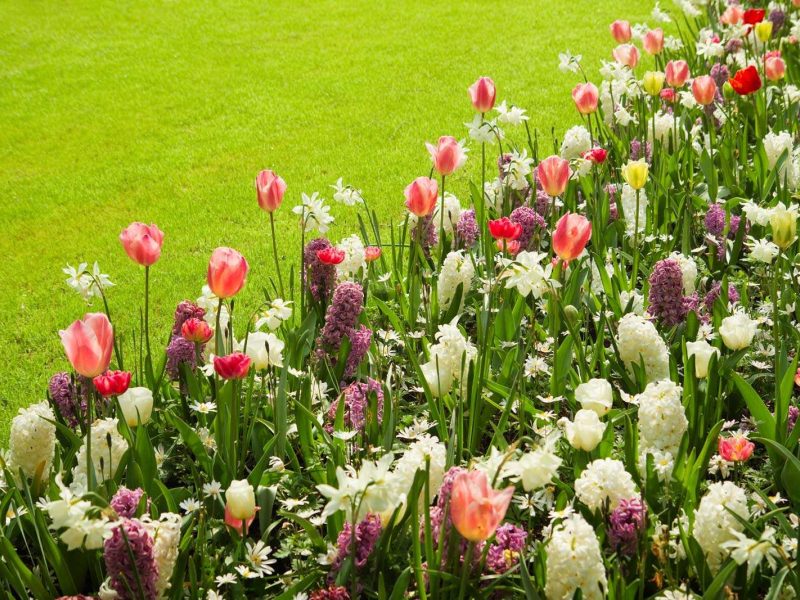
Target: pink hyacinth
x=360, y=543
x=356, y=402
x=666, y=293
x=625, y=524
x=128, y=555
x=319, y=277
x=126, y=501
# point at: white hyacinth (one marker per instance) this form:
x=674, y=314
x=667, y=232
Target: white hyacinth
x=604, y=480
x=517, y=170
x=574, y=561
x=166, y=534
x=628, y=201
x=638, y=341
x=714, y=525
x=108, y=447
x=775, y=145
x=662, y=423
x=688, y=272
x=457, y=269
x=354, y=258
x=452, y=212
x=577, y=140
x=32, y=441
x=449, y=360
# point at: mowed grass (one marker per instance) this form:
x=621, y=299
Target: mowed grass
x=164, y=111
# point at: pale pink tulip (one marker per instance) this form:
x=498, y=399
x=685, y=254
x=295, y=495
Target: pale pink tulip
x=270, y=189
x=89, y=343
x=736, y=448
x=704, y=89
x=585, y=96
x=572, y=233
x=774, y=68
x=142, y=243
x=482, y=93
x=626, y=54
x=553, y=173
x=676, y=73
x=448, y=155
x=227, y=272
x=621, y=30
x=476, y=509
x=733, y=15
x=421, y=195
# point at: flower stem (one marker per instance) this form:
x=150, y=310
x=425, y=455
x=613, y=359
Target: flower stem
x=275, y=253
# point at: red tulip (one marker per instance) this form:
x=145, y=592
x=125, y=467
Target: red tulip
x=621, y=30
x=142, y=243
x=233, y=366
x=746, y=81
x=227, y=272
x=704, y=89
x=774, y=68
x=196, y=330
x=505, y=231
x=736, y=448
x=676, y=73
x=553, y=173
x=585, y=96
x=372, y=253
x=330, y=255
x=237, y=524
x=421, y=195
x=89, y=343
x=482, y=93
x=475, y=508
x=753, y=15
x=447, y=155
x=596, y=155
x=653, y=41
x=667, y=95
x=572, y=233
x=733, y=15
x=270, y=189
x=112, y=383
x=626, y=54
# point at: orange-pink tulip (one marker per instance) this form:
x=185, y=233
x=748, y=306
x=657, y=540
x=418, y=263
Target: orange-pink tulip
x=621, y=31
x=482, y=93
x=553, y=173
x=774, y=68
x=270, y=189
x=476, y=509
x=733, y=15
x=89, y=343
x=572, y=233
x=227, y=272
x=421, y=195
x=142, y=243
x=585, y=96
x=704, y=89
x=736, y=448
x=626, y=54
x=653, y=41
x=447, y=154
x=676, y=73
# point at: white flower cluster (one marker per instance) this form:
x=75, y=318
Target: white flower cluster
x=354, y=258
x=379, y=489
x=449, y=360
x=166, y=534
x=662, y=423
x=528, y=275
x=688, y=272
x=638, y=341
x=83, y=525
x=577, y=140
x=315, y=214
x=517, y=170
x=714, y=524
x=574, y=561
x=452, y=212
x=264, y=349
x=108, y=447
x=604, y=480
x=275, y=314
x=628, y=201
x=661, y=127
x=457, y=269
x=775, y=145
x=346, y=194
x=32, y=441
x=535, y=469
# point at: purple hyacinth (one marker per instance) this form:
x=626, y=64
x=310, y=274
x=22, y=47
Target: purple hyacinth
x=640, y=150
x=530, y=221
x=65, y=397
x=360, y=339
x=542, y=205
x=429, y=234
x=719, y=73
x=467, y=229
x=714, y=293
x=778, y=18
x=126, y=501
x=733, y=46
x=366, y=536
x=319, y=277
x=794, y=412
x=508, y=543
x=180, y=351
x=128, y=555
x=341, y=316
x=356, y=401
x=624, y=525
x=666, y=293
x=715, y=220
x=183, y=312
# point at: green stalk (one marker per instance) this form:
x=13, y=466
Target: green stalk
x=275, y=253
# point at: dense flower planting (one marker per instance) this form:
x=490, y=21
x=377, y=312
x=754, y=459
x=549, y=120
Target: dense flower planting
x=576, y=377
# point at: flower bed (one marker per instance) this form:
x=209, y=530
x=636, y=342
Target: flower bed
x=576, y=376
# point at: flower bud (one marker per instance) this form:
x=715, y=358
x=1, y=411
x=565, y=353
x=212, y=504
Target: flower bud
x=136, y=405
x=635, y=173
x=240, y=500
x=702, y=352
x=653, y=82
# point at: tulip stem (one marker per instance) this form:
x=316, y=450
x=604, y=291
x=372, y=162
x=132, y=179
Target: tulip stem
x=466, y=570
x=275, y=253
x=441, y=226
x=147, y=312
x=635, y=244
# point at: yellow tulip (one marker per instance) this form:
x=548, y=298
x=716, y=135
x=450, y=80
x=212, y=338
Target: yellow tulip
x=653, y=82
x=783, y=222
x=635, y=173
x=764, y=30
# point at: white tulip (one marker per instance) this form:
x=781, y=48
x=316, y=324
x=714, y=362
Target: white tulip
x=702, y=352
x=137, y=405
x=596, y=395
x=585, y=432
x=737, y=331
x=439, y=377
x=240, y=500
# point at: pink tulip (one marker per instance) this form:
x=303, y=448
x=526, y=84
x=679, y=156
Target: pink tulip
x=447, y=155
x=270, y=189
x=653, y=41
x=553, y=173
x=733, y=15
x=736, y=448
x=626, y=54
x=704, y=89
x=621, y=30
x=585, y=97
x=476, y=509
x=572, y=233
x=676, y=73
x=482, y=93
x=421, y=195
x=227, y=272
x=238, y=525
x=142, y=243
x=88, y=344
x=774, y=68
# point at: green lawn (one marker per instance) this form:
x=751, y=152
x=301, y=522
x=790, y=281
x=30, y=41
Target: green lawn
x=163, y=111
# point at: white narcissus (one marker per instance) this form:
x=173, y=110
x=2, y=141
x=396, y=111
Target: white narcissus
x=264, y=349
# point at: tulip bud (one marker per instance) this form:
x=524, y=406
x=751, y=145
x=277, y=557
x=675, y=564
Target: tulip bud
x=482, y=93
x=270, y=190
x=447, y=155
x=585, y=96
x=621, y=31
x=553, y=173
x=737, y=331
x=635, y=173
x=676, y=73
x=774, y=68
x=240, y=500
x=704, y=89
x=653, y=41
x=136, y=405
x=653, y=82
x=764, y=31
x=626, y=54
x=227, y=272
x=595, y=395
x=728, y=92
x=421, y=195
x=112, y=383
x=702, y=352
x=783, y=222
x=585, y=432
x=89, y=343
x=572, y=233
x=142, y=243
x=196, y=330
x=571, y=313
